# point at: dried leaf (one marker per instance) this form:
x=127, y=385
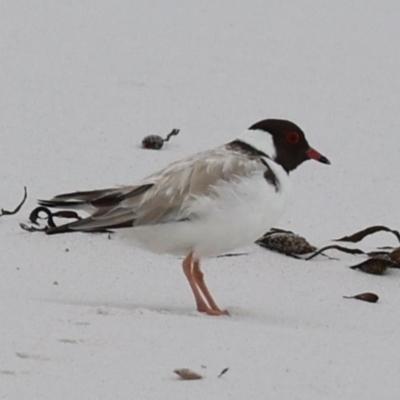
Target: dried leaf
x=369, y=297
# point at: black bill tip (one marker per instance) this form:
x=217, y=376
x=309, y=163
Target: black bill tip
x=315, y=155
x=324, y=160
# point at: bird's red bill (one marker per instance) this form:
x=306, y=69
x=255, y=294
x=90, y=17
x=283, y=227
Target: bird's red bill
x=315, y=155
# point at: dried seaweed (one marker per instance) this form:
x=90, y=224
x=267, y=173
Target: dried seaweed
x=232, y=255
x=293, y=245
x=34, y=216
x=280, y=240
x=19, y=206
x=395, y=256
x=335, y=247
x=285, y=242
x=358, y=236
x=156, y=142
x=174, y=132
x=223, y=372
x=67, y=214
x=375, y=265
x=296, y=246
x=31, y=228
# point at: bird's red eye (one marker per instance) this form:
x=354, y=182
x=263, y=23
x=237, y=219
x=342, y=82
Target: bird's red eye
x=293, y=137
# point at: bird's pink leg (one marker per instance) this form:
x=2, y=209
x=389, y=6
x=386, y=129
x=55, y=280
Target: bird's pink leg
x=192, y=270
x=199, y=279
x=188, y=271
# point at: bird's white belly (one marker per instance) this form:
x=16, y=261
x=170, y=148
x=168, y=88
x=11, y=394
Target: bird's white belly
x=236, y=216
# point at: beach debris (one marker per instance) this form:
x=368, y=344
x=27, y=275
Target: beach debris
x=369, y=297
x=187, y=374
x=156, y=142
x=294, y=245
x=232, y=255
x=285, y=242
x=335, y=247
x=376, y=265
x=223, y=372
x=19, y=206
x=395, y=257
x=36, y=215
x=279, y=240
x=358, y=236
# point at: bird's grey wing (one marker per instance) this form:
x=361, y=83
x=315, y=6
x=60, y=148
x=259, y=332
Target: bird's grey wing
x=172, y=191
x=95, y=199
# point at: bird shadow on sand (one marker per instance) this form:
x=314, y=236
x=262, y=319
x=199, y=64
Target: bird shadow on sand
x=105, y=307
x=236, y=314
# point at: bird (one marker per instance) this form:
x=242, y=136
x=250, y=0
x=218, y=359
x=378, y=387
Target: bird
x=203, y=205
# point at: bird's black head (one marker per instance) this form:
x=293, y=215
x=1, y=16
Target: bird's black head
x=290, y=143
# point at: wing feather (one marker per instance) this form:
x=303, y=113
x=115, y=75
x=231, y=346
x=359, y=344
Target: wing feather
x=168, y=195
